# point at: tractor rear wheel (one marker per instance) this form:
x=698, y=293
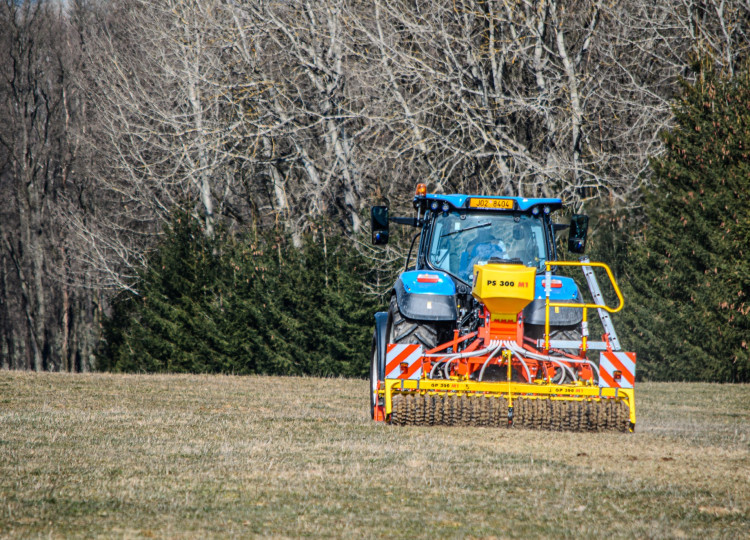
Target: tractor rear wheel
x=565, y=333
x=403, y=330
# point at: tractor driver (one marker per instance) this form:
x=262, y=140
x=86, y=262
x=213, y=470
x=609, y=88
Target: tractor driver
x=485, y=246
x=523, y=246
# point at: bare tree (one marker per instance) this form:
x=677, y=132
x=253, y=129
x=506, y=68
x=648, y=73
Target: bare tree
x=300, y=114
x=39, y=113
x=166, y=131
x=306, y=110
x=161, y=95
x=317, y=114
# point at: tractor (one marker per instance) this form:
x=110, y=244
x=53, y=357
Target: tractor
x=482, y=328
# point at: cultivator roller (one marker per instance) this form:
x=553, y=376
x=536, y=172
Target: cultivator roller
x=492, y=410
x=495, y=408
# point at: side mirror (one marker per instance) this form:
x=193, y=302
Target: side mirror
x=579, y=227
x=379, y=222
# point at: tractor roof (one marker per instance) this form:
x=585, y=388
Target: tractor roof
x=490, y=202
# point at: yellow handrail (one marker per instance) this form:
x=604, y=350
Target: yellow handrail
x=548, y=304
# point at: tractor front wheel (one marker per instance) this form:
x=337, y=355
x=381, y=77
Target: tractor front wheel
x=374, y=377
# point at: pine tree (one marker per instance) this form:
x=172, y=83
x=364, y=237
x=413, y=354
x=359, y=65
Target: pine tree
x=171, y=324
x=244, y=305
x=688, y=281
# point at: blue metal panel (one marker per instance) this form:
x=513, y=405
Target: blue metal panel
x=568, y=291
x=534, y=313
x=455, y=200
x=423, y=301
x=444, y=286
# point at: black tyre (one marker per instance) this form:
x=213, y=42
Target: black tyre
x=568, y=333
x=374, y=377
x=401, y=329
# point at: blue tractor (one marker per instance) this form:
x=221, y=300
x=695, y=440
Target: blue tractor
x=482, y=329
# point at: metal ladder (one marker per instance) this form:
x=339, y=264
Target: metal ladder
x=596, y=294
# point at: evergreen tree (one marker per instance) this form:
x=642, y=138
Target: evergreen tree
x=170, y=325
x=244, y=305
x=688, y=282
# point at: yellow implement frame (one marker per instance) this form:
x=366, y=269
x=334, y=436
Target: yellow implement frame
x=507, y=389
x=521, y=390
x=548, y=304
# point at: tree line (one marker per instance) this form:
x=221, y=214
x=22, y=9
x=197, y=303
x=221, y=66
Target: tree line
x=243, y=304
x=289, y=119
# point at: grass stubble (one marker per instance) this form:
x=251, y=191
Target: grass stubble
x=193, y=456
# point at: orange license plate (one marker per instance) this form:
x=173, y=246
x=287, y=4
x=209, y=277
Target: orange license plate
x=501, y=204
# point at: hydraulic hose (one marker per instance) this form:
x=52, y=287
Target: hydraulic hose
x=520, y=351
x=448, y=359
x=525, y=366
x=486, y=362
x=519, y=357
x=493, y=344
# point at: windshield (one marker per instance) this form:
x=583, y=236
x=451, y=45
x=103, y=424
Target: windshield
x=461, y=239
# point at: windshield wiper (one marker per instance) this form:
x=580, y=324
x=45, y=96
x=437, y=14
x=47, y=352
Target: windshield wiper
x=466, y=229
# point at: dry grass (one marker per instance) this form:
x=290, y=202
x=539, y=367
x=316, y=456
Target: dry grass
x=194, y=456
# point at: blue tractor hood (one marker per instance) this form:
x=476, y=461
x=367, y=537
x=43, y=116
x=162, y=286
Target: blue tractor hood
x=564, y=289
x=427, y=295
x=428, y=282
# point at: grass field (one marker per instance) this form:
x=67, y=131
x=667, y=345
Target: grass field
x=194, y=456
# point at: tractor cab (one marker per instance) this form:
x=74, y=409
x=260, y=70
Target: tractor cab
x=460, y=238
x=460, y=231
x=460, y=234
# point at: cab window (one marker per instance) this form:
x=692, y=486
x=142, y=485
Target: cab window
x=460, y=240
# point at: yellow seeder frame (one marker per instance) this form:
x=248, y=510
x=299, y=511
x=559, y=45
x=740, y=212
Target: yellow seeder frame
x=508, y=390
x=576, y=392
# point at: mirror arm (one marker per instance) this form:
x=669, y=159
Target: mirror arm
x=414, y=222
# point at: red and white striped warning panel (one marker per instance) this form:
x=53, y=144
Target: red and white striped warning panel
x=616, y=369
x=403, y=361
